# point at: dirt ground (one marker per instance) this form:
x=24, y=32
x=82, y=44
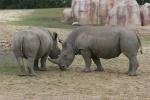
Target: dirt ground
x=113, y=84
x=13, y=15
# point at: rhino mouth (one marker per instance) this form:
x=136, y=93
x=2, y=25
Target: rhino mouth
x=63, y=68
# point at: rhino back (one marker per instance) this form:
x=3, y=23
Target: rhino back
x=46, y=41
x=33, y=42
x=102, y=41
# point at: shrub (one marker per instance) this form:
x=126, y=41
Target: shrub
x=29, y=4
x=143, y=1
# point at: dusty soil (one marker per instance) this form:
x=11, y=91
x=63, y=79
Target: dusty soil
x=113, y=84
x=13, y=15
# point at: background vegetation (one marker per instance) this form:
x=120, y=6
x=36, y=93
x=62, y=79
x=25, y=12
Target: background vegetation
x=30, y=4
x=141, y=2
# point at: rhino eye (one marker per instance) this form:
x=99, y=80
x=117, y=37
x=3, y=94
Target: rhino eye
x=65, y=55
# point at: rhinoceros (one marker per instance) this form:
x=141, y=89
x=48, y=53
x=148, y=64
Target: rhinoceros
x=34, y=44
x=100, y=42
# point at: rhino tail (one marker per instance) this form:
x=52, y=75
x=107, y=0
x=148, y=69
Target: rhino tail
x=21, y=46
x=141, y=50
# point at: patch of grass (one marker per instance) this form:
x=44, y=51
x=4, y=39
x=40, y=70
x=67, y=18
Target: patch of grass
x=8, y=69
x=145, y=39
x=45, y=17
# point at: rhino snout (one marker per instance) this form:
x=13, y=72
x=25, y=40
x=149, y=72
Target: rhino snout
x=62, y=68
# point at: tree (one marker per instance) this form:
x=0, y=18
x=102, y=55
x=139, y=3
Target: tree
x=28, y=4
x=141, y=2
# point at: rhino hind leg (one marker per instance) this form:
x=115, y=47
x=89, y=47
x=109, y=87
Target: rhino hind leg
x=36, y=65
x=86, y=54
x=43, y=64
x=133, y=65
x=31, y=66
x=98, y=64
x=22, y=71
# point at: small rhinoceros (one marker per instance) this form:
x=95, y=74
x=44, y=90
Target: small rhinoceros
x=100, y=42
x=33, y=44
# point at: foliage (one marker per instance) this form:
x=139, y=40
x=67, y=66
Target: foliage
x=143, y=1
x=29, y=4
x=8, y=69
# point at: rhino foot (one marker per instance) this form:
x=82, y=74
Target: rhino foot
x=43, y=69
x=98, y=69
x=86, y=70
x=132, y=71
x=132, y=74
x=36, y=68
x=22, y=74
x=32, y=74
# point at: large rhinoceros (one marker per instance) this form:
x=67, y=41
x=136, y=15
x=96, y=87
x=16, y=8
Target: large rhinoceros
x=100, y=42
x=33, y=44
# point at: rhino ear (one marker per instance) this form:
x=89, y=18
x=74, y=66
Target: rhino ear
x=55, y=35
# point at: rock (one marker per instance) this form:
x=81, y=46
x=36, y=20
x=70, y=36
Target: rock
x=145, y=14
x=125, y=13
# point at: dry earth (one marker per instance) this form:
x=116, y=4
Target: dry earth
x=13, y=15
x=113, y=84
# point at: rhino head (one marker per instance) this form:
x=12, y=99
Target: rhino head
x=55, y=51
x=66, y=57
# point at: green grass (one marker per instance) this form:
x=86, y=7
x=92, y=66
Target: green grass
x=145, y=39
x=8, y=64
x=45, y=17
x=8, y=69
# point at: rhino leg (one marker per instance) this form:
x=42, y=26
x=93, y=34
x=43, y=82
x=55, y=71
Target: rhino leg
x=98, y=64
x=43, y=64
x=133, y=65
x=36, y=65
x=86, y=54
x=21, y=66
x=31, y=66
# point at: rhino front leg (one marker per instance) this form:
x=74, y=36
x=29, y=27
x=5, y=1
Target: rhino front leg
x=36, y=65
x=31, y=66
x=133, y=65
x=43, y=64
x=21, y=66
x=86, y=54
x=98, y=64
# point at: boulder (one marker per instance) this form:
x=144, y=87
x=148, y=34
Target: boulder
x=125, y=13
x=91, y=11
x=75, y=9
x=145, y=14
x=67, y=15
x=106, y=12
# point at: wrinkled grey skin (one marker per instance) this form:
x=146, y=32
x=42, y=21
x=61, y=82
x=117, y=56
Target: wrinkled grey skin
x=34, y=44
x=94, y=43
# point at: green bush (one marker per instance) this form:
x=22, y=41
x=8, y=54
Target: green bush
x=143, y=1
x=29, y=4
